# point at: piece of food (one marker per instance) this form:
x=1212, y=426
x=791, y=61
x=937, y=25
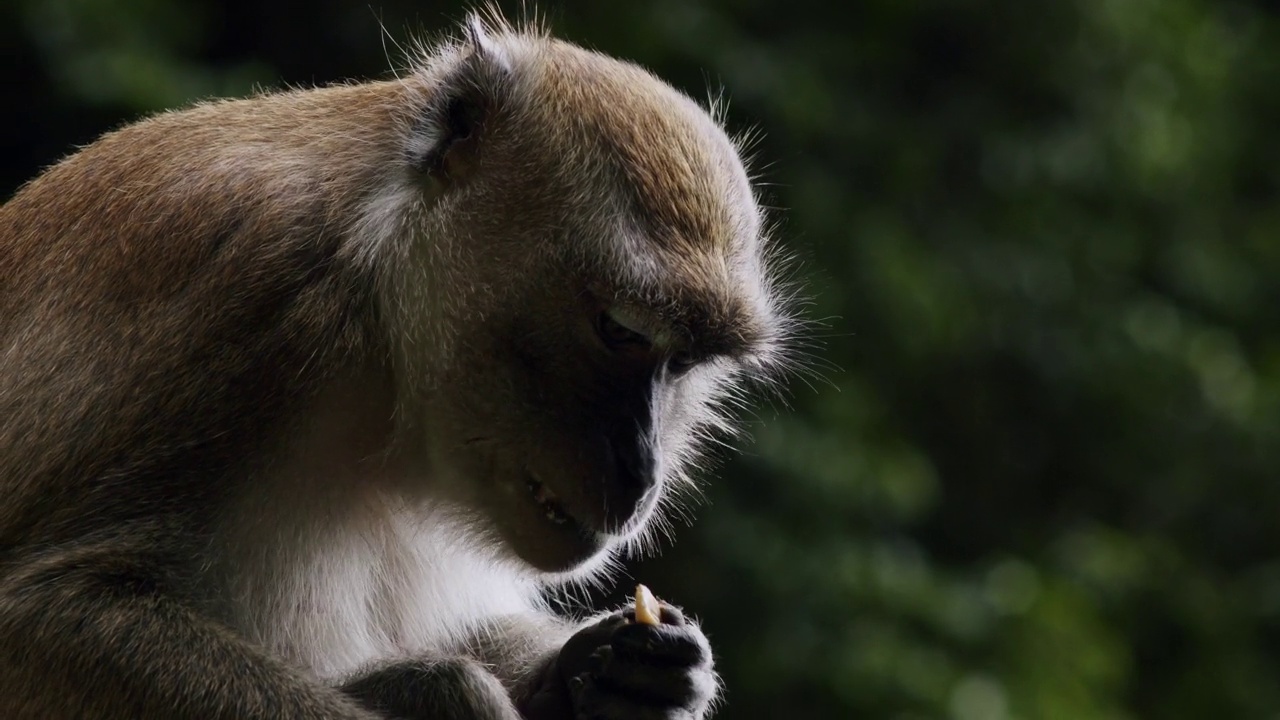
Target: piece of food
x=648, y=611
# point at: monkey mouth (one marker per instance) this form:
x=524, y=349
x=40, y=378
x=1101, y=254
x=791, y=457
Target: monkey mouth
x=549, y=503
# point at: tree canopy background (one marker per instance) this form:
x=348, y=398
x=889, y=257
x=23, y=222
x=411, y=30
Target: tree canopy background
x=1039, y=479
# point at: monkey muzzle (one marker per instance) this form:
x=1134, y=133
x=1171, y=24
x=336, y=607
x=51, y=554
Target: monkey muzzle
x=549, y=502
x=619, y=480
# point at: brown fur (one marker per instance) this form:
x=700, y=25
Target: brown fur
x=262, y=338
x=134, y=383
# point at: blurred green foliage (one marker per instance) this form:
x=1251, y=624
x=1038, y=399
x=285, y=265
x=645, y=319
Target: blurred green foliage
x=1039, y=479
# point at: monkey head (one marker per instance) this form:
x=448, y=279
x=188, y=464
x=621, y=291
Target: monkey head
x=583, y=286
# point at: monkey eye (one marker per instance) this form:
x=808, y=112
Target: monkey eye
x=620, y=331
x=681, y=362
x=617, y=331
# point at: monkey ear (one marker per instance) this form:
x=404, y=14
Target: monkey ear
x=461, y=111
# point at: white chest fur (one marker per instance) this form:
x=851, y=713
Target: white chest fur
x=334, y=591
x=323, y=563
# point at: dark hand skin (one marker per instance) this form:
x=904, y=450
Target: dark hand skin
x=618, y=669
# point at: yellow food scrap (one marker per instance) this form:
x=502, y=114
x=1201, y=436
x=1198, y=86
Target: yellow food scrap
x=648, y=611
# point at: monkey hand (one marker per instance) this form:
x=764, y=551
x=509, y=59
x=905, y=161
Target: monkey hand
x=619, y=669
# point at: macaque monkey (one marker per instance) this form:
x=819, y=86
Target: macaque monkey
x=308, y=399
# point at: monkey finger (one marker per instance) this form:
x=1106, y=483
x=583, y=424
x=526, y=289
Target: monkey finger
x=662, y=644
x=657, y=685
x=596, y=701
x=672, y=615
x=575, y=655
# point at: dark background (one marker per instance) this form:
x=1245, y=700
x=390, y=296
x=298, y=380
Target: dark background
x=1039, y=478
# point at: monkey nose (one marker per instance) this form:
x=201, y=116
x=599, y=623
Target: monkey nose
x=634, y=475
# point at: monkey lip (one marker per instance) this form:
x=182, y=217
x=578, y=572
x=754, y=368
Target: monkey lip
x=549, y=503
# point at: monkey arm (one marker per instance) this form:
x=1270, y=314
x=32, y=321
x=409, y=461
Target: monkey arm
x=88, y=633
x=506, y=670
x=454, y=687
x=494, y=674
x=519, y=647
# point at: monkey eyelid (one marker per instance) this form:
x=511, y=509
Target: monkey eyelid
x=642, y=324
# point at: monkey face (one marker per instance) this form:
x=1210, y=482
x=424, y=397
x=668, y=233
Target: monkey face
x=576, y=402
x=607, y=292
x=595, y=423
